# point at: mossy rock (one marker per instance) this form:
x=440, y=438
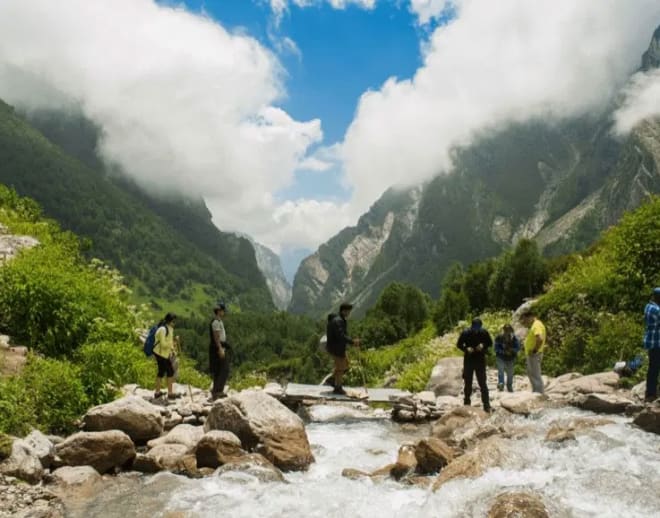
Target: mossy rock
x=5, y=446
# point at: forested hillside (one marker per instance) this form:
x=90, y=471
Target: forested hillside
x=169, y=250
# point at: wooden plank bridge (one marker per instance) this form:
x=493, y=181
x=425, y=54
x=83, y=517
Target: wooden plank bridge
x=300, y=392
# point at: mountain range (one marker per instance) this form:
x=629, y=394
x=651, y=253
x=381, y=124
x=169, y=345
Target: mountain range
x=560, y=183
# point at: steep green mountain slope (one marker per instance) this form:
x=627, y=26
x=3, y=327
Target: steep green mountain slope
x=561, y=184
x=169, y=250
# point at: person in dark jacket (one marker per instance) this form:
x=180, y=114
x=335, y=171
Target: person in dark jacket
x=218, y=358
x=507, y=347
x=338, y=340
x=474, y=342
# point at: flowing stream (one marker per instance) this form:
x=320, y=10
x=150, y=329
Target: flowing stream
x=609, y=471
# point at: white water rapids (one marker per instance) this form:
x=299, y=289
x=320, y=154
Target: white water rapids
x=610, y=471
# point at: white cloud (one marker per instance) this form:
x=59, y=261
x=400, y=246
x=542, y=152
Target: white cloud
x=279, y=7
x=641, y=101
x=496, y=62
x=183, y=103
x=427, y=10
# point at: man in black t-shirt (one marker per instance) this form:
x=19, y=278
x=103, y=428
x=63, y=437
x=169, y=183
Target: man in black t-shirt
x=474, y=342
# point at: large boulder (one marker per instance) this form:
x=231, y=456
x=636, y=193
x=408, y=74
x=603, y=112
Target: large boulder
x=602, y=403
x=432, y=455
x=447, y=377
x=22, y=463
x=262, y=423
x=487, y=454
x=139, y=419
x=518, y=504
x=601, y=383
x=649, y=419
x=185, y=434
x=216, y=448
x=103, y=451
x=523, y=403
x=457, y=421
x=172, y=457
x=75, y=476
x=42, y=447
x=254, y=466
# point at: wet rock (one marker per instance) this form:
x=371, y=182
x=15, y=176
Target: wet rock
x=218, y=447
x=19, y=500
x=602, y=403
x=649, y=419
x=446, y=377
x=170, y=457
x=639, y=390
x=257, y=419
x=174, y=419
x=354, y=474
x=447, y=403
x=518, y=505
x=406, y=462
x=601, y=383
x=487, y=454
x=145, y=464
x=254, y=465
x=42, y=447
x=22, y=463
x=456, y=420
x=522, y=403
x=103, y=451
x=185, y=434
x=432, y=455
x=559, y=435
x=75, y=476
x=132, y=415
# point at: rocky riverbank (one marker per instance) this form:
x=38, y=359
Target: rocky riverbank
x=253, y=433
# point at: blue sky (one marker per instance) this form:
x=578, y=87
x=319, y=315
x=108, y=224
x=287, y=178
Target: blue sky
x=343, y=53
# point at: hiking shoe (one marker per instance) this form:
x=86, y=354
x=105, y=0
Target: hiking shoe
x=500, y=387
x=330, y=382
x=217, y=396
x=650, y=399
x=176, y=395
x=339, y=391
x=466, y=402
x=158, y=394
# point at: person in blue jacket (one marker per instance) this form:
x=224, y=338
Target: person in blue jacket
x=652, y=344
x=507, y=347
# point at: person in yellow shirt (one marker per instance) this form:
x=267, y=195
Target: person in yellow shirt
x=534, y=347
x=164, y=351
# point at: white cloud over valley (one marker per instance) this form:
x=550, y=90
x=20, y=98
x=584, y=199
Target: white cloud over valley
x=495, y=63
x=185, y=104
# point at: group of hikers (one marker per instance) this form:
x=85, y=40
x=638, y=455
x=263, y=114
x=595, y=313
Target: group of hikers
x=166, y=347
x=474, y=342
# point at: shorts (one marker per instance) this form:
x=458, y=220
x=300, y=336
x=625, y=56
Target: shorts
x=165, y=367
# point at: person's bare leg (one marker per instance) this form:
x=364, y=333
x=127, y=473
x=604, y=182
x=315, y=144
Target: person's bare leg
x=170, y=390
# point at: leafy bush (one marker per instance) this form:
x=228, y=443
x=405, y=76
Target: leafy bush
x=48, y=395
x=6, y=443
x=106, y=366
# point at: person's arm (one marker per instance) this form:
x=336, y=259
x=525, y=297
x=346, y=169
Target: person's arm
x=216, y=340
x=516, y=344
x=488, y=340
x=461, y=342
x=499, y=346
x=538, y=343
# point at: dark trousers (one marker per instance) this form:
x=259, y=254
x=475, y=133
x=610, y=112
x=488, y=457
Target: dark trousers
x=220, y=375
x=652, y=374
x=475, y=365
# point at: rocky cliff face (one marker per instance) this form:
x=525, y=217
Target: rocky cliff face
x=271, y=268
x=560, y=184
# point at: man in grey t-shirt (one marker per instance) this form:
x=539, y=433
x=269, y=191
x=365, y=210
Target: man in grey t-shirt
x=218, y=360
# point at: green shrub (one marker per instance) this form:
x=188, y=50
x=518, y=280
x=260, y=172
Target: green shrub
x=48, y=395
x=6, y=443
x=106, y=366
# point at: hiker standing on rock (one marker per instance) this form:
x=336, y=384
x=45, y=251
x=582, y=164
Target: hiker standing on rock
x=338, y=340
x=218, y=357
x=165, y=353
x=652, y=344
x=474, y=342
x=507, y=346
x=534, y=346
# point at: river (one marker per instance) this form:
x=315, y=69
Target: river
x=609, y=471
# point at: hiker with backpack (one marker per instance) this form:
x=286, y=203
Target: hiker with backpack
x=534, y=346
x=338, y=339
x=507, y=347
x=165, y=352
x=218, y=357
x=474, y=342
